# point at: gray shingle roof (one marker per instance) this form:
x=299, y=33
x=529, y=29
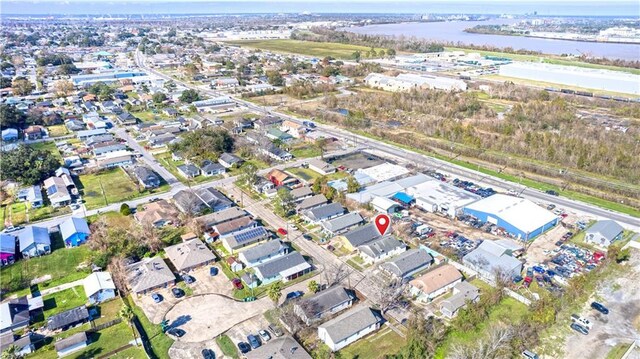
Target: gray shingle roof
x=465, y=291
x=351, y=322
x=609, y=229
x=343, y=222
x=189, y=254
x=324, y=301
x=311, y=202
x=279, y=348
x=263, y=250
x=362, y=235
x=282, y=264
x=301, y=192
x=148, y=273
x=221, y=216
x=381, y=246
x=410, y=261
x=326, y=211
x=491, y=257
x=68, y=317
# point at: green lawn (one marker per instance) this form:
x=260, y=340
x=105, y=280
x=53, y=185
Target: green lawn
x=227, y=346
x=618, y=351
x=376, y=345
x=160, y=342
x=305, y=150
x=304, y=174
x=61, y=264
x=19, y=213
x=310, y=48
x=110, y=186
x=149, y=116
x=172, y=166
x=64, y=300
x=57, y=130
x=48, y=146
x=131, y=353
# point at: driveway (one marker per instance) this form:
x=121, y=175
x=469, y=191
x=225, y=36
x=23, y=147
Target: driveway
x=239, y=332
x=184, y=350
x=204, y=317
x=621, y=325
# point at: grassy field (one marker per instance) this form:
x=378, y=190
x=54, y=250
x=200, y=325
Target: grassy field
x=110, y=186
x=556, y=60
x=305, y=150
x=57, y=130
x=377, y=345
x=310, y=48
x=172, y=166
x=61, y=264
x=618, y=351
x=64, y=300
x=160, y=343
x=227, y=346
x=48, y=146
x=304, y=174
x=149, y=116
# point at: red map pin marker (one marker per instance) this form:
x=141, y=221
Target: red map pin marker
x=382, y=223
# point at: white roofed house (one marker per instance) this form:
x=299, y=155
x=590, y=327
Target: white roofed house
x=34, y=242
x=57, y=191
x=263, y=253
x=349, y=327
x=99, y=287
x=407, y=263
x=341, y=224
x=380, y=249
x=384, y=205
x=493, y=259
x=321, y=167
x=285, y=268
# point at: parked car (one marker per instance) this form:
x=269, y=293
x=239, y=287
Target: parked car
x=331, y=248
x=253, y=341
x=551, y=192
x=579, y=328
x=582, y=321
x=11, y=229
x=177, y=292
x=599, y=307
x=264, y=335
x=244, y=347
x=213, y=271
x=529, y=354
x=295, y=294
x=282, y=231
x=176, y=332
x=156, y=297
x=237, y=283
x=307, y=237
x=208, y=354
x=276, y=330
x=187, y=278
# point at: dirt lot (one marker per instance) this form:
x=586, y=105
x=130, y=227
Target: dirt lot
x=357, y=160
x=538, y=251
x=622, y=325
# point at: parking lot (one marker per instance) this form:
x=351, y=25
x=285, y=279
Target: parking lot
x=622, y=297
x=251, y=326
x=204, y=284
x=204, y=317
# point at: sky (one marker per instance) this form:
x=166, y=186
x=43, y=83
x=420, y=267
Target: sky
x=103, y=7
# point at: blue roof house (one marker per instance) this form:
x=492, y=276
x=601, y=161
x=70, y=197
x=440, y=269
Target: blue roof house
x=74, y=231
x=34, y=242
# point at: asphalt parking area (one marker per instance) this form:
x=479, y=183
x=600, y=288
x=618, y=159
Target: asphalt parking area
x=205, y=283
x=622, y=297
x=204, y=317
x=251, y=326
x=183, y=350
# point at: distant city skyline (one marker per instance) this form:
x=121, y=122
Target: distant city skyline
x=151, y=7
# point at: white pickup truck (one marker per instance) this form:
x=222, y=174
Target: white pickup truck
x=582, y=321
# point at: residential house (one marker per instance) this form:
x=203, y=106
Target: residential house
x=15, y=314
x=603, y=233
x=245, y=238
x=126, y=119
x=7, y=249
x=276, y=153
x=435, y=282
x=195, y=201
x=170, y=111
x=463, y=292
x=324, y=304
x=294, y=129
x=234, y=264
x=188, y=171
x=262, y=185
x=301, y=193
x=23, y=344
x=230, y=227
x=281, y=178
x=115, y=159
x=31, y=195
x=71, y=344
x=225, y=82
x=323, y=213
x=266, y=122
x=103, y=148
x=83, y=135
x=229, y=160
x=34, y=132
x=57, y=191
x=263, y=253
x=158, y=214
x=384, y=205
x=243, y=123
x=311, y=202
x=349, y=327
x=380, y=249
x=190, y=255
x=492, y=259
x=99, y=287
x=285, y=268
x=75, y=231
x=407, y=263
x=34, y=242
x=147, y=177
x=341, y=224
x=208, y=221
x=321, y=167
x=10, y=134
x=68, y=319
x=148, y=275
x=96, y=140
x=277, y=135
x=75, y=125
x=285, y=347
x=212, y=169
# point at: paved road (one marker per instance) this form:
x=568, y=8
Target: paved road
x=575, y=206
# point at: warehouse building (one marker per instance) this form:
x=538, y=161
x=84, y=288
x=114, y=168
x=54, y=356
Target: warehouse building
x=407, y=82
x=517, y=216
x=574, y=76
x=437, y=196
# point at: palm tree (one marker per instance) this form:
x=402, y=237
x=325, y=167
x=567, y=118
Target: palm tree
x=11, y=352
x=275, y=292
x=126, y=313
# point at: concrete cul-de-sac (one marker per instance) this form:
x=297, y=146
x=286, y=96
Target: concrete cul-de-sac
x=204, y=317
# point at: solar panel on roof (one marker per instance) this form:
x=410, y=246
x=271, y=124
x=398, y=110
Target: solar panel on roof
x=51, y=190
x=250, y=234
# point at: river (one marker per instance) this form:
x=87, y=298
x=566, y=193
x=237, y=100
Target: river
x=453, y=31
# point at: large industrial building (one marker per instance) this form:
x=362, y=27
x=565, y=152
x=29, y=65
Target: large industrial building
x=518, y=216
x=406, y=82
x=437, y=196
x=605, y=80
x=108, y=77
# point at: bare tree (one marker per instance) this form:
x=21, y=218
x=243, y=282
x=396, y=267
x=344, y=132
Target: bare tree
x=388, y=294
x=99, y=235
x=118, y=271
x=147, y=234
x=494, y=345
